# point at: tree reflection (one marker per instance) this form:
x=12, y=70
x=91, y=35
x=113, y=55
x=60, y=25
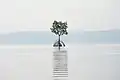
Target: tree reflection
x=60, y=65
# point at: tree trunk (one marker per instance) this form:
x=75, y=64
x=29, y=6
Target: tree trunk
x=59, y=43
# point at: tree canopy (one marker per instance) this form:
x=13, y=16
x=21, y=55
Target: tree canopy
x=59, y=28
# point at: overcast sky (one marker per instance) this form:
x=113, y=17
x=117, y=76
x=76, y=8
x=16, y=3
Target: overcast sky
x=19, y=15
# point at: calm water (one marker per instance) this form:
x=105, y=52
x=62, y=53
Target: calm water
x=85, y=62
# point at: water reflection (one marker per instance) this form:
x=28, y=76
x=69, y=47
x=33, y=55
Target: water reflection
x=60, y=65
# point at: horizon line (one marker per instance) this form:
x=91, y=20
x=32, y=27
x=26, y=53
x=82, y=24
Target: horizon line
x=85, y=30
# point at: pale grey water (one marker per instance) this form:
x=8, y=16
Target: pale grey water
x=85, y=62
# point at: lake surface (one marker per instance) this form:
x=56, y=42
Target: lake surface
x=35, y=62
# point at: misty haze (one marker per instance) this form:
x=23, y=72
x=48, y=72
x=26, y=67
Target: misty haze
x=92, y=46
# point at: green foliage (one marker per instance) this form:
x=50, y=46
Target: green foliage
x=59, y=28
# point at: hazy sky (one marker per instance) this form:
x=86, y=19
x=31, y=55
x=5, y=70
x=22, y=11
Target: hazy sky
x=19, y=15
